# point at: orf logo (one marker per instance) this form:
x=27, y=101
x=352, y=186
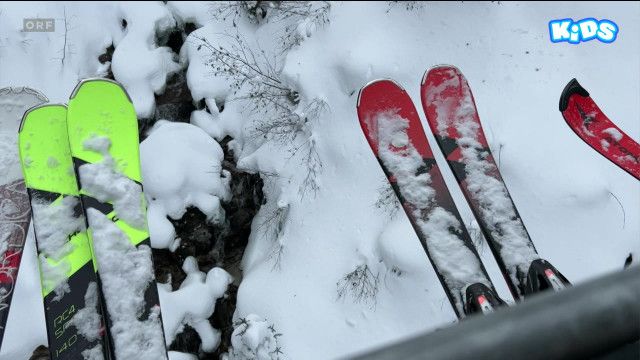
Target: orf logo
x=38, y=25
x=566, y=30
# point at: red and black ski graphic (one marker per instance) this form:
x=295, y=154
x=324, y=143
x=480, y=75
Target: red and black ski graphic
x=15, y=212
x=15, y=215
x=586, y=119
x=392, y=128
x=452, y=116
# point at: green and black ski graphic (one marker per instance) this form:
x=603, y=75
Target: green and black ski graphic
x=103, y=138
x=70, y=287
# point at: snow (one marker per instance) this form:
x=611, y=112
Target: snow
x=254, y=338
x=456, y=262
x=56, y=277
x=106, y=184
x=13, y=103
x=194, y=302
x=126, y=272
x=148, y=73
x=562, y=193
x=614, y=133
x=191, y=175
x=87, y=320
x=89, y=323
x=489, y=192
x=54, y=224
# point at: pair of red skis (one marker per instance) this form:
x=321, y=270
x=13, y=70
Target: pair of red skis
x=394, y=132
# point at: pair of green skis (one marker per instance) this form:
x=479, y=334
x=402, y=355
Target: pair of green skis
x=85, y=319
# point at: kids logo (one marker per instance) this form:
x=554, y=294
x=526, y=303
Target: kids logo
x=566, y=30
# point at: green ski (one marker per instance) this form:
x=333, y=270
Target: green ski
x=103, y=138
x=70, y=287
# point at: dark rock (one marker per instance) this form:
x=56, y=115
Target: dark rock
x=175, y=103
x=189, y=27
x=222, y=319
x=106, y=57
x=187, y=341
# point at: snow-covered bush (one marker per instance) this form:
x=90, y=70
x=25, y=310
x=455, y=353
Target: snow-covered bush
x=278, y=112
x=254, y=339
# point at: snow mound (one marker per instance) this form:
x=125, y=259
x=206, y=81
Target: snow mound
x=138, y=63
x=191, y=175
x=194, y=302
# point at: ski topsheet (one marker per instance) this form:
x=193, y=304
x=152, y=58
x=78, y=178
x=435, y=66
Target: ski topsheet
x=586, y=119
x=70, y=287
x=452, y=116
x=103, y=137
x=393, y=130
x=15, y=213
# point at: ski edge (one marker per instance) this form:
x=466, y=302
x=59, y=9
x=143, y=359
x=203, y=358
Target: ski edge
x=89, y=80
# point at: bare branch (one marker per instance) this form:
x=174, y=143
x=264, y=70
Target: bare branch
x=361, y=284
x=387, y=200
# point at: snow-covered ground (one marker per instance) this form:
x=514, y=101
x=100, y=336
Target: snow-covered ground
x=320, y=229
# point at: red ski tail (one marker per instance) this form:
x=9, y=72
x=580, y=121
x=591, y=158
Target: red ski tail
x=589, y=122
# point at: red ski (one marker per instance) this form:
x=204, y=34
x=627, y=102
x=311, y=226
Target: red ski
x=15, y=212
x=589, y=122
x=452, y=116
x=392, y=128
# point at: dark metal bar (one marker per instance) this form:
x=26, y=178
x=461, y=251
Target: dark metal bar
x=581, y=322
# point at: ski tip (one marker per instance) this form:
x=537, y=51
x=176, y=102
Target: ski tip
x=89, y=80
x=573, y=87
x=34, y=108
x=435, y=68
x=372, y=83
x=23, y=89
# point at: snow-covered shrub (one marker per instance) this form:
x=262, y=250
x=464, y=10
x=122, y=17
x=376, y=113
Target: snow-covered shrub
x=407, y=5
x=279, y=114
x=299, y=18
x=272, y=227
x=302, y=18
x=254, y=339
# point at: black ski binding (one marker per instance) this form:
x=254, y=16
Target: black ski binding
x=481, y=299
x=542, y=276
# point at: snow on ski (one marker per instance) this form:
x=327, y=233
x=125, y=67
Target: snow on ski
x=452, y=116
x=392, y=127
x=73, y=314
x=103, y=136
x=586, y=119
x=15, y=213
